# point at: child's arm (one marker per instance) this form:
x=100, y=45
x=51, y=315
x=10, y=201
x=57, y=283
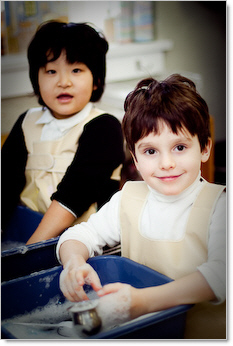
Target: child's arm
x=190, y=289
x=13, y=162
x=55, y=220
x=85, y=240
x=88, y=178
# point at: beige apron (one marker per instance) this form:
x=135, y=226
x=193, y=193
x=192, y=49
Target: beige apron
x=175, y=259
x=48, y=161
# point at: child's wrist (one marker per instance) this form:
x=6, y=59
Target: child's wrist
x=138, y=303
x=75, y=260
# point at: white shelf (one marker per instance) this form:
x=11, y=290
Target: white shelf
x=124, y=62
x=130, y=49
x=14, y=62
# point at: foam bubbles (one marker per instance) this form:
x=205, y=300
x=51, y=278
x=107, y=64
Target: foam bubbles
x=114, y=308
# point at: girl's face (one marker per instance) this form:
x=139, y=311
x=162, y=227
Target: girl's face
x=65, y=88
x=169, y=162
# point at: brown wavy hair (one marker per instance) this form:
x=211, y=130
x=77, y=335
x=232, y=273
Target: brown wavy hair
x=174, y=101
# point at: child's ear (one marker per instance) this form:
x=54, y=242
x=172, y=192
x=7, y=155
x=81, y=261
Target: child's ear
x=134, y=159
x=206, y=151
x=96, y=84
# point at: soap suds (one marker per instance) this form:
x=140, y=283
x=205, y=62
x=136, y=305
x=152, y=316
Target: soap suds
x=114, y=308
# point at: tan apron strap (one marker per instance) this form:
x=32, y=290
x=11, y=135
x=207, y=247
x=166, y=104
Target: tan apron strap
x=49, y=163
x=202, y=209
x=129, y=189
x=131, y=209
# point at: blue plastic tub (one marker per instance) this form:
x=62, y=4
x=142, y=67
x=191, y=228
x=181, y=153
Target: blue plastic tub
x=27, y=259
x=26, y=294
x=22, y=225
x=24, y=259
x=18, y=259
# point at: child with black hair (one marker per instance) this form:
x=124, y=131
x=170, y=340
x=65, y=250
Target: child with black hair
x=173, y=222
x=63, y=159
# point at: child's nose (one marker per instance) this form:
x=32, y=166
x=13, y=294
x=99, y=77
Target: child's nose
x=167, y=162
x=64, y=80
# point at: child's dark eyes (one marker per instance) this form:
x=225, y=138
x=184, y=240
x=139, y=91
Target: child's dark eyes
x=150, y=151
x=177, y=148
x=76, y=70
x=51, y=72
x=180, y=147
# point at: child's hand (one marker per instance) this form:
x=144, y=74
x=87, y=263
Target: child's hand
x=114, y=304
x=111, y=288
x=72, y=279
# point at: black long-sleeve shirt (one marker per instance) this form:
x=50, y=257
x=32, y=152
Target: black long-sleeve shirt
x=87, y=179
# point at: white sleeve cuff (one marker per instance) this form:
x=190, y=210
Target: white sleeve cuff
x=216, y=283
x=73, y=234
x=63, y=206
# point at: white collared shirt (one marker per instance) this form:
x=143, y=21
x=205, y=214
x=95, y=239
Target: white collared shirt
x=56, y=128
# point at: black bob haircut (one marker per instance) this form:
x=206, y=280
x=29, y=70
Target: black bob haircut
x=81, y=43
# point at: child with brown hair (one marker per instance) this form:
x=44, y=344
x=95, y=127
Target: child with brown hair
x=173, y=222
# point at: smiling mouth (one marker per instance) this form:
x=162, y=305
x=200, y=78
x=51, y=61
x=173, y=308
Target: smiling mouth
x=169, y=178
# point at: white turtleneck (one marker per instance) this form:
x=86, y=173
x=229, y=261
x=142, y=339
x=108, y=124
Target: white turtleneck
x=174, y=209
x=164, y=217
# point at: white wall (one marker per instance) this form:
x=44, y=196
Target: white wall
x=197, y=30
x=199, y=51
x=88, y=11
x=198, y=33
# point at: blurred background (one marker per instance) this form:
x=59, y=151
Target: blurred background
x=147, y=38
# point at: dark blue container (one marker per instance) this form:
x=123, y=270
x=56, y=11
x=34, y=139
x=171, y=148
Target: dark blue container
x=22, y=225
x=26, y=259
x=24, y=294
x=21, y=260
